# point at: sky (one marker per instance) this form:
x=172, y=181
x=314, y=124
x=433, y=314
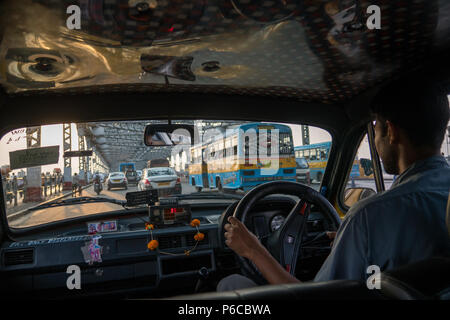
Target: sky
x=51, y=135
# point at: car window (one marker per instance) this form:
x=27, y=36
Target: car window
x=161, y=172
x=229, y=156
x=117, y=175
x=360, y=181
x=302, y=163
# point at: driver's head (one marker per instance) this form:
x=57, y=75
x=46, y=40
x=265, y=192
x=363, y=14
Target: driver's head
x=411, y=119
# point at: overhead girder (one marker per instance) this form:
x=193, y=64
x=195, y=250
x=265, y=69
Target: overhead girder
x=67, y=143
x=117, y=142
x=33, y=137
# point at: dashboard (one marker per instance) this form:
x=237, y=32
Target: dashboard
x=38, y=263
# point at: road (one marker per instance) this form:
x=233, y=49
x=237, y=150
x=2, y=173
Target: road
x=11, y=207
x=66, y=212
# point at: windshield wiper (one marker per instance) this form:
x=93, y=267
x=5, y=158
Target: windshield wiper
x=206, y=195
x=123, y=203
x=72, y=201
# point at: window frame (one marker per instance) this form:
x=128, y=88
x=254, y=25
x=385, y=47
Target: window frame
x=375, y=163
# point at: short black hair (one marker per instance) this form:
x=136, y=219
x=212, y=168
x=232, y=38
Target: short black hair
x=417, y=105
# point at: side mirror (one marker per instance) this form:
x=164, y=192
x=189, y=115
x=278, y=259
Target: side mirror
x=366, y=164
x=159, y=135
x=353, y=195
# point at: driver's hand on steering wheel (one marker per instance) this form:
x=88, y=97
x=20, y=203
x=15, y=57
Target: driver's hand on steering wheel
x=240, y=239
x=331, y=235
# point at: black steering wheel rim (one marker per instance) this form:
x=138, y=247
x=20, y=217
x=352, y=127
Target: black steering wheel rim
x=304, y=192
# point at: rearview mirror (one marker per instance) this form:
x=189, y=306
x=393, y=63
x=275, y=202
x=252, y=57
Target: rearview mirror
x=159, y=135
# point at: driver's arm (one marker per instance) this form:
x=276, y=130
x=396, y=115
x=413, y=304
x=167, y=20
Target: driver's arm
x=347, y=260
x=247, y=245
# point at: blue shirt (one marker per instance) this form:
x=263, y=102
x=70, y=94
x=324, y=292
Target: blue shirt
x=395, y=227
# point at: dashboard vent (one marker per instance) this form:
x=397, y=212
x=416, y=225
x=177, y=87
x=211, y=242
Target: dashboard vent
x=15, y=257
x=167, y=242
x=190, y=241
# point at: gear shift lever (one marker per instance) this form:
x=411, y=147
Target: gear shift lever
x=203, y=274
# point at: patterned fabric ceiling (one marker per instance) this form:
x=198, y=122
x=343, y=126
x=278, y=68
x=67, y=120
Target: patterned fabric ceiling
x=313, y=50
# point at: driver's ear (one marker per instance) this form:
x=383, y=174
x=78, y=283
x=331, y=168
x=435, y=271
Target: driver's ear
x=393, y=133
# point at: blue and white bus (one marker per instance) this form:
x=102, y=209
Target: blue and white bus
x=317, y=157
x=233, y=160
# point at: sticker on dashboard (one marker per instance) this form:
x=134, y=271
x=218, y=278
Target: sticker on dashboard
x=102, y=226
x=92, y=251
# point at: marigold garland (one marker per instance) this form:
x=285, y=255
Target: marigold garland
x=195, y=223
x=154, y=244
x=199, y=236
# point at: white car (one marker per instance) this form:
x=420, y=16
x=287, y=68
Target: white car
x=303, y=173
x=117, y=180
x=163, y=179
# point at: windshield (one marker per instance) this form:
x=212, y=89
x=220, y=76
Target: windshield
x=42, y=164
x=116, y=175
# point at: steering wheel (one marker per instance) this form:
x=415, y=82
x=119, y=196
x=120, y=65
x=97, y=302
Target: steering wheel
x=284, y=244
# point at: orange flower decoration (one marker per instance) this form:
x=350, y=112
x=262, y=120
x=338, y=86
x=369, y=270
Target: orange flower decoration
x=195, y=223
x=152, y=245
x=149, y=226
x=199, y=236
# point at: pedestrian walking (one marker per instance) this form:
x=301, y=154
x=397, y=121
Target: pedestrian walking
x=15, y=188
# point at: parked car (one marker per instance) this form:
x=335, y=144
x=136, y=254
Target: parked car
x=117, y=180
x=302, y=172
x=164, y=179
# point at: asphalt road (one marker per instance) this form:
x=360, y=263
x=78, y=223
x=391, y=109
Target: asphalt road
x=11, y=208
x=66, y=212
